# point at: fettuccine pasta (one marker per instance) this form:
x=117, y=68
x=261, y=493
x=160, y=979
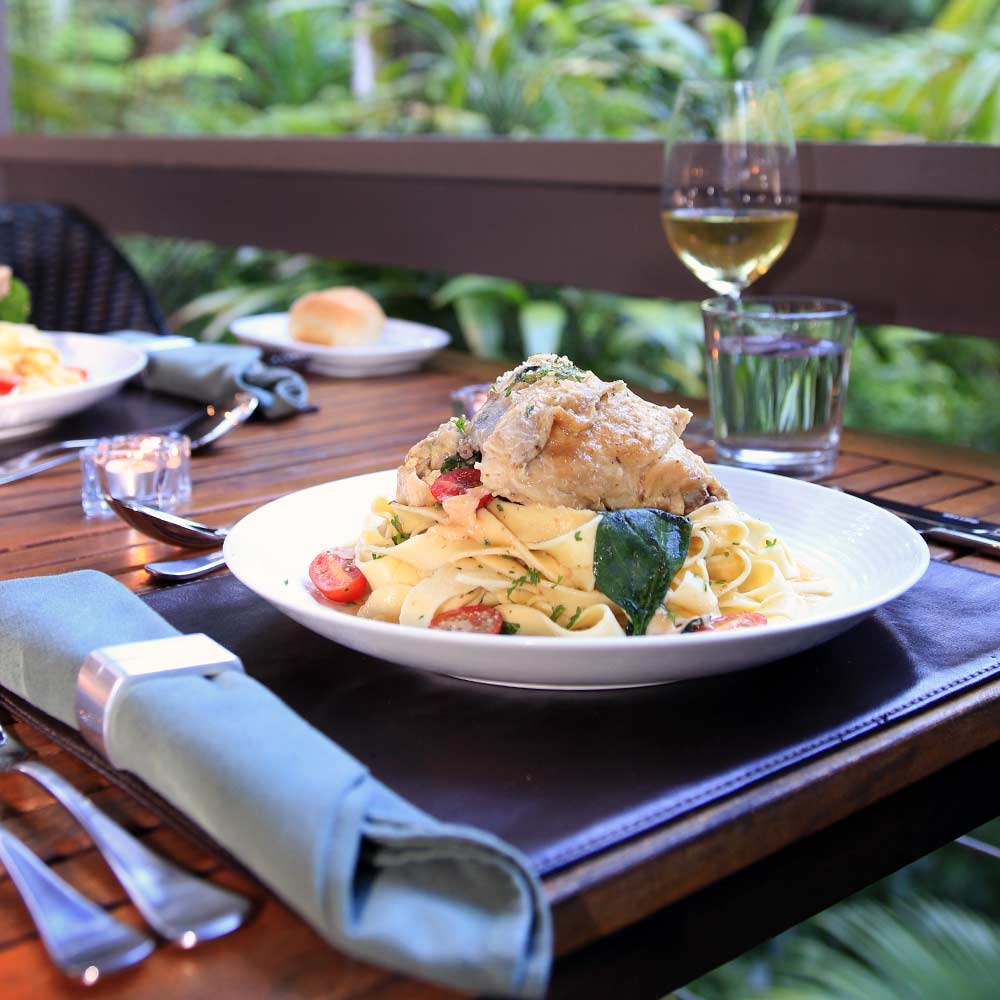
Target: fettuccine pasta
x=29, y=362
x=535, y=565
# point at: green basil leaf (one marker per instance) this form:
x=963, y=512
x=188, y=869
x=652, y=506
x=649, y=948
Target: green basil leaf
x=637, y=553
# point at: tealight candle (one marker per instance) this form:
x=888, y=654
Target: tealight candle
x=151, y=468
x=130, y=477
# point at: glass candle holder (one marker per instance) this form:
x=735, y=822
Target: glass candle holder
x=154, y=469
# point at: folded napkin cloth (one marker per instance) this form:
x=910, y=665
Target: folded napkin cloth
x=209, y=373
x=374, y=875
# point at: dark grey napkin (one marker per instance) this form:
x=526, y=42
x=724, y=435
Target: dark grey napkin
x=209, y=373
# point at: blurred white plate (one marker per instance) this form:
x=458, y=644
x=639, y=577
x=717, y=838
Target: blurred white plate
x=871, y=555
x=402, y=346
x=109, y=364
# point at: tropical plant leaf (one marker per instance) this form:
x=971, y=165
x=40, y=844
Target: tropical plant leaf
x=481, y=285
x=913, y=950
x=482, y=325
x=542, y=325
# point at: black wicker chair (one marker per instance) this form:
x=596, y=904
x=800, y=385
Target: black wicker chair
x=78, y=279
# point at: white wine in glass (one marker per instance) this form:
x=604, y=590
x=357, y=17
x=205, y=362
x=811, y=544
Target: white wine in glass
x=731, y=183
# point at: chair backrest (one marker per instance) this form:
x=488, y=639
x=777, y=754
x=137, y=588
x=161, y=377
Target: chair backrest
x=78, y=279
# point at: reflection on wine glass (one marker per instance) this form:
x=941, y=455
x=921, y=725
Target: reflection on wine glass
x=730, y=182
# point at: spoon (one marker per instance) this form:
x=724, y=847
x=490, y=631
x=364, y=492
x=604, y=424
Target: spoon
x=203, y=429
x=176, y=570
x=164, y=527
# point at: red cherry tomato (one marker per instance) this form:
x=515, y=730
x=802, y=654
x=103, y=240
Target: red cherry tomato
x=337, y=578
x=457, y=482
x=745, y=619
x=9, y=382
x=471, y=618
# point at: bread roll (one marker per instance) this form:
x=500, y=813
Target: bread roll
x=336, y=317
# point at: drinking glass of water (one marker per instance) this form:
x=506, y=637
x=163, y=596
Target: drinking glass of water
x=777, y=377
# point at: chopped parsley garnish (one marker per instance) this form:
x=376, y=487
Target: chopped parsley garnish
x=377, y=555
x=532, y=576
x=576, y=615
x=769, y=542
x=536, y=373
x=499, y=505
x=510, y=628
x=456, y=461
x=557, y=611
x=559, y=580
x=461, y=424
x=398, y=535
x=286, y=581
x=528, y=410
x=578, y=536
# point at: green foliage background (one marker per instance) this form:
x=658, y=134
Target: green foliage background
x=861, y=70
x=896, y=70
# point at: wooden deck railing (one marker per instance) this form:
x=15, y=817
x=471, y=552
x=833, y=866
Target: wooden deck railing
x=908, y=233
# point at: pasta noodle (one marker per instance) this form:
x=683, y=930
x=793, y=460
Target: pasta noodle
x=535, y=565
x=30, y=363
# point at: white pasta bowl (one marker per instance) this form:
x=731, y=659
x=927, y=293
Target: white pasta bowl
x=109, y=364
x=871, y=555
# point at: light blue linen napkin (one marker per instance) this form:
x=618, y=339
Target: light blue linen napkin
x=209, y=373
x=376, y=876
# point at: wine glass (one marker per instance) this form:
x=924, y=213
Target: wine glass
x=730, y=182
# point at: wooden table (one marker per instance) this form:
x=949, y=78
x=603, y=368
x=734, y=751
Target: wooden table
x=636, y=920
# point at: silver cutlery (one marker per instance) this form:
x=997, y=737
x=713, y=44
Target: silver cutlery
x=178, y=570
x=940, y=526
x=179, y=906
x=203, y=429
x=82, y=940
x=164, y=527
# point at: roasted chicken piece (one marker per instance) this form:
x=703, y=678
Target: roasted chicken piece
x=552, y=434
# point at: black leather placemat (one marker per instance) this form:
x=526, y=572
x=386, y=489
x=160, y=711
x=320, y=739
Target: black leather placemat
x=562, y=775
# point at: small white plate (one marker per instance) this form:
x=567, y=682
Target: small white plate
x=109, y=364
x=402, y=346
x=871, y=555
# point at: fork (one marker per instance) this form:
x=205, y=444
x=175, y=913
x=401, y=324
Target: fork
x=82, y=940
x=179, y=906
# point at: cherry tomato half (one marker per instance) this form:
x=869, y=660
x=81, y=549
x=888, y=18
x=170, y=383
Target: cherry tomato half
x=457, y=482
x=471, y=618
x=337, y=578
x=9, y=382
x=745, y=619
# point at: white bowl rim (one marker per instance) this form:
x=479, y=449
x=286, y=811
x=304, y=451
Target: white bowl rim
x=135, y=363
x=905, y=533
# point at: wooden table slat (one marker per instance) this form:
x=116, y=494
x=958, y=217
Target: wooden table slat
x=920, y=492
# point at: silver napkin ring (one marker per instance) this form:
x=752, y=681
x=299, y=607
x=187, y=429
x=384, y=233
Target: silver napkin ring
x=107, y=673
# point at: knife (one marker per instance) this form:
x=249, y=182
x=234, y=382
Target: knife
x=940, y=526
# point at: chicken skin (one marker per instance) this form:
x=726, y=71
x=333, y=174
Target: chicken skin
x=552, y=434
